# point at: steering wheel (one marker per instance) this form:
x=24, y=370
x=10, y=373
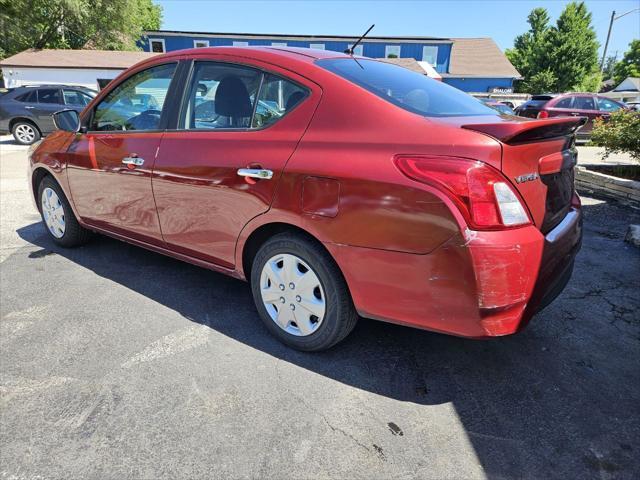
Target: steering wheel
x=147, y=120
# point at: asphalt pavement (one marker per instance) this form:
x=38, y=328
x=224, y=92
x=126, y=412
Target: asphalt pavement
x=116, y=362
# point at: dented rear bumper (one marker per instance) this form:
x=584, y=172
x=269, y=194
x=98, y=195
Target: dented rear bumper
x=477, y=284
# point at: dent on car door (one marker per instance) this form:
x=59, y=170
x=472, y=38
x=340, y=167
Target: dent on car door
x=234, y=117
x=109, y=166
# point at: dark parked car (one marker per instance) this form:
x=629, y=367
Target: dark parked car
x=26, y=111
x=586, y=105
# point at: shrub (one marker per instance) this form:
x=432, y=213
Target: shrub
x=619, y=134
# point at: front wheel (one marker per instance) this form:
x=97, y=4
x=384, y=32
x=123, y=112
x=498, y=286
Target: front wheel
x=300, y=293
x=58, y=217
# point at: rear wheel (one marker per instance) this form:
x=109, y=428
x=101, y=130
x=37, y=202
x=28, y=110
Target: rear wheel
x=58, y=217
x=301, y=294
x=25, y=133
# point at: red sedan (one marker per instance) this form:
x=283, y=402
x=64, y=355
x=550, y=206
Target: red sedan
x=337, y=186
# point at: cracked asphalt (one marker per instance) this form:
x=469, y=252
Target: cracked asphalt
x=119, y=363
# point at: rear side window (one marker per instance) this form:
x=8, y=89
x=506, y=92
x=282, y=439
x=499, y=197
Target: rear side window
x=221, y=96
x=226, y=96
x=584, y=103
x=406, y=89
x=565, y=103
x=29, y=97
x=49, y=95
x=606, y=105
x=277, y=97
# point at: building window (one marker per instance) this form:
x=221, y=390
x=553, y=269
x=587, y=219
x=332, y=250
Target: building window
x=156, y=45
x=392, y=51
x=240, y=44
x=317, y=46
x=278, y=44
x=358, y=50
x=200, y=43
x=430, y=54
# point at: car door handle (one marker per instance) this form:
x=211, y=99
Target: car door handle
x=28, y=107
x=255, y=173
x=135, y=161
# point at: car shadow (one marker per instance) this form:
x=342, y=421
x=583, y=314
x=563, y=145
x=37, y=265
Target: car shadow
x=552, y=402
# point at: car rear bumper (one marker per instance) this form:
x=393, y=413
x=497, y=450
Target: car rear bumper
x=477, y=284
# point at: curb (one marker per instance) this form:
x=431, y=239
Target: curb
x=621, y=189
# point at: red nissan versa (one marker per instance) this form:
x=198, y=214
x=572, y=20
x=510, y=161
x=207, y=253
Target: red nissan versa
x=337, y=186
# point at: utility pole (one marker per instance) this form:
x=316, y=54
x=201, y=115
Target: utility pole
x=606, y=44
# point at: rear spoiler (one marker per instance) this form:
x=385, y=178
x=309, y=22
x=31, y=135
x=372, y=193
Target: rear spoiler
x=524, y=131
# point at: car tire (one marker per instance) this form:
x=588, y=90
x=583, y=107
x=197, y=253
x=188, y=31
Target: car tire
x=58, y=217
x=25, y=132
x=284, y=260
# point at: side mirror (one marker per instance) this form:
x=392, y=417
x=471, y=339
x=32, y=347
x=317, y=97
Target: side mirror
x=67, y=120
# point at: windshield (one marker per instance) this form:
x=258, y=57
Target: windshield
x=409, y=90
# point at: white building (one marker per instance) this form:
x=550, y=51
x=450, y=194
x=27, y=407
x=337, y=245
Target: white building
x=627, y=91
x=88, y=68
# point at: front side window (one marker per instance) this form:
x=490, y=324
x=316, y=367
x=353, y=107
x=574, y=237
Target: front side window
x=430, y=54
x=277, y=97
x=75, y=97
x=221, y=96
x=49, y=95
x=406, y=89
x=606, y=105
x=135, y=104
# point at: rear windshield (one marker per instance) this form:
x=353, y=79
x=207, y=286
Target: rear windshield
x=533, y=104
x=409, y=90
x=541, y=97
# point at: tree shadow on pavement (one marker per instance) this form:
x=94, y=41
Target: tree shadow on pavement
x=559, y=400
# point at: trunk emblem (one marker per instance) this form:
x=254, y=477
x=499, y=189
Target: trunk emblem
x=527, y=177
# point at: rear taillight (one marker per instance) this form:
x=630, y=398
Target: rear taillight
x=482, y=194
x=543, y=114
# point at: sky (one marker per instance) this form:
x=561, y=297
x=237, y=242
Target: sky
x=501, y=20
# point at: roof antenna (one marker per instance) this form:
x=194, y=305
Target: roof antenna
x=349, y=51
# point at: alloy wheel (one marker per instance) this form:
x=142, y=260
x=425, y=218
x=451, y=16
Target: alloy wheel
x=292, y=294
x=53, y=212
x=25, y=133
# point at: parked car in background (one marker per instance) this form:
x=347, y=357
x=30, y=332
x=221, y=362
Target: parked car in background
x=635, y=106
x=499, y=106
x=588, y=105
x=336, y=186
x=26, y=112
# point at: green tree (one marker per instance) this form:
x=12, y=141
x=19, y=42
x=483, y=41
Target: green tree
x=103, y=24
x=562, y=57
x=574, y=50
x=529, y=54
x=629, y=66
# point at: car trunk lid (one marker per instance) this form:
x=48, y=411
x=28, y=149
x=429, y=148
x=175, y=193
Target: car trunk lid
x=538, y=157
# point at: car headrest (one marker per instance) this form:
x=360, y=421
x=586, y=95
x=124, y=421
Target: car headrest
x=293, y=100
x=232, y=98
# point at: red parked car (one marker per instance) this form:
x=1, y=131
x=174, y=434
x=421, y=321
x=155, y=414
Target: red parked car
x=585, y=105
x=337, y=186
